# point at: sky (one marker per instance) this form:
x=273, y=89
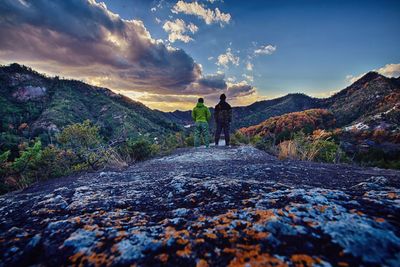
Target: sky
x=167, y=53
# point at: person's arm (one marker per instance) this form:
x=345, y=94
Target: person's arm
x=208, y=114
x=216, y=111
x=194, y=114
x=230, y=114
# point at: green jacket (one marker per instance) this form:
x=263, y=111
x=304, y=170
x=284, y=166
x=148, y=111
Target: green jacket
x=201, y=113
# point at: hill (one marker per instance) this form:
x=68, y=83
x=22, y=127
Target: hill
x=35, y=105
x=370, y=95
x=281, y=126
x=256, y=112
x=215, y=207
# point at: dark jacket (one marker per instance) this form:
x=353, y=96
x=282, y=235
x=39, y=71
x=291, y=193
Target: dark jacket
x=223, y=112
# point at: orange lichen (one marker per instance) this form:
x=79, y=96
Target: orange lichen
x=202, y=263
x=185, y=252
x=303, y=260
x=392, y=195
x=380, y=220
x=322, y=208
x=249, y=255
x=343, y=264
x=199, y=240
x=264, y=215
x=211, y=235
x=163, y=257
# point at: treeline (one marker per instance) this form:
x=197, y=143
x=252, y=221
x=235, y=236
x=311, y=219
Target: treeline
x=79, y=147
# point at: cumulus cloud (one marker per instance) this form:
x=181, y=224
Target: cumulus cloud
x=176, y=30
x=265, y=50
x=240, y=89
x=227, y=58
x=82, y=39
x=197, y=9
x=88, y=41
x=389, y=70
x=250, y=78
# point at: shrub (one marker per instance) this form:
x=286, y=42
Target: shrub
x=25, y=167
x=136, y=150
x=84, y=141
x=312, y=148
x=240, y=138
x=55, y=162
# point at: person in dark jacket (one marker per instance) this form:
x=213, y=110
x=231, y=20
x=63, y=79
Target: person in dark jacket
x=223, y=118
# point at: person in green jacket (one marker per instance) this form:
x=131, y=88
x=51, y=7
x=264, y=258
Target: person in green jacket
x=201, y=115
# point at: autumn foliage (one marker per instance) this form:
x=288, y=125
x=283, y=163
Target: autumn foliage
x=307, y=121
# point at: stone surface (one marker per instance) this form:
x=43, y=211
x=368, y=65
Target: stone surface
x=216, y=207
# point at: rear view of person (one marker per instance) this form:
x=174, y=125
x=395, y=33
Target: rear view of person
x=223, y=118
x=201, y=115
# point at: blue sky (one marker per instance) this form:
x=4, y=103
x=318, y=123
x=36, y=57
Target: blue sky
x=314, y=47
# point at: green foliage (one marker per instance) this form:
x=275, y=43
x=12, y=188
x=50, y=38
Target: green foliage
x=239, y=138
x=137, y=149
x=378, y=158
x=78, y=136
x=84, y=141
x=55, y=162
x=189, y=140
x=308, y=147
x=26, y=165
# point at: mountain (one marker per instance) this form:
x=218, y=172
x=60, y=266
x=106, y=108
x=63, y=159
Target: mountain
x=258, y=111
x=35, y=105
x=370, y=95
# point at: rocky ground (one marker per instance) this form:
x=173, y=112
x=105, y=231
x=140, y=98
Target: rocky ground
x=214, y=207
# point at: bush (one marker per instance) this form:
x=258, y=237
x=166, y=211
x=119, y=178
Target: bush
x=55, y=162
x=136, y=150
x=25, y=167
x=312, y=148
x=239, y=138
x=84, y=141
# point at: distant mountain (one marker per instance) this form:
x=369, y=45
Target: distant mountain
x=372, y=94
x=35, y=105
x=258, y=111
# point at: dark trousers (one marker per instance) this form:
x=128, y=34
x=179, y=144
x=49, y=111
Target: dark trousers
x=220, y=127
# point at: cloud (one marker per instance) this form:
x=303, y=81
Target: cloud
x=389, y=70
x=228, y=58
x=250, y=78
x=84, y=40
x=215, y=81
x=208, y=15
x=176, y=30
x=265, y=50
x=249, y=66
x=240, y=89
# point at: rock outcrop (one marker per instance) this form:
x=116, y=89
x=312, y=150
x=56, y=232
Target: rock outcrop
x=215, y=207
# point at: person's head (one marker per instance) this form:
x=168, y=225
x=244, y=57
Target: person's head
x=222, y=97
x=201, y=100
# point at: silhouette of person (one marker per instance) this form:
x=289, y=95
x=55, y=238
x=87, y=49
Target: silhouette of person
x=201, y=115
x=223, y=118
